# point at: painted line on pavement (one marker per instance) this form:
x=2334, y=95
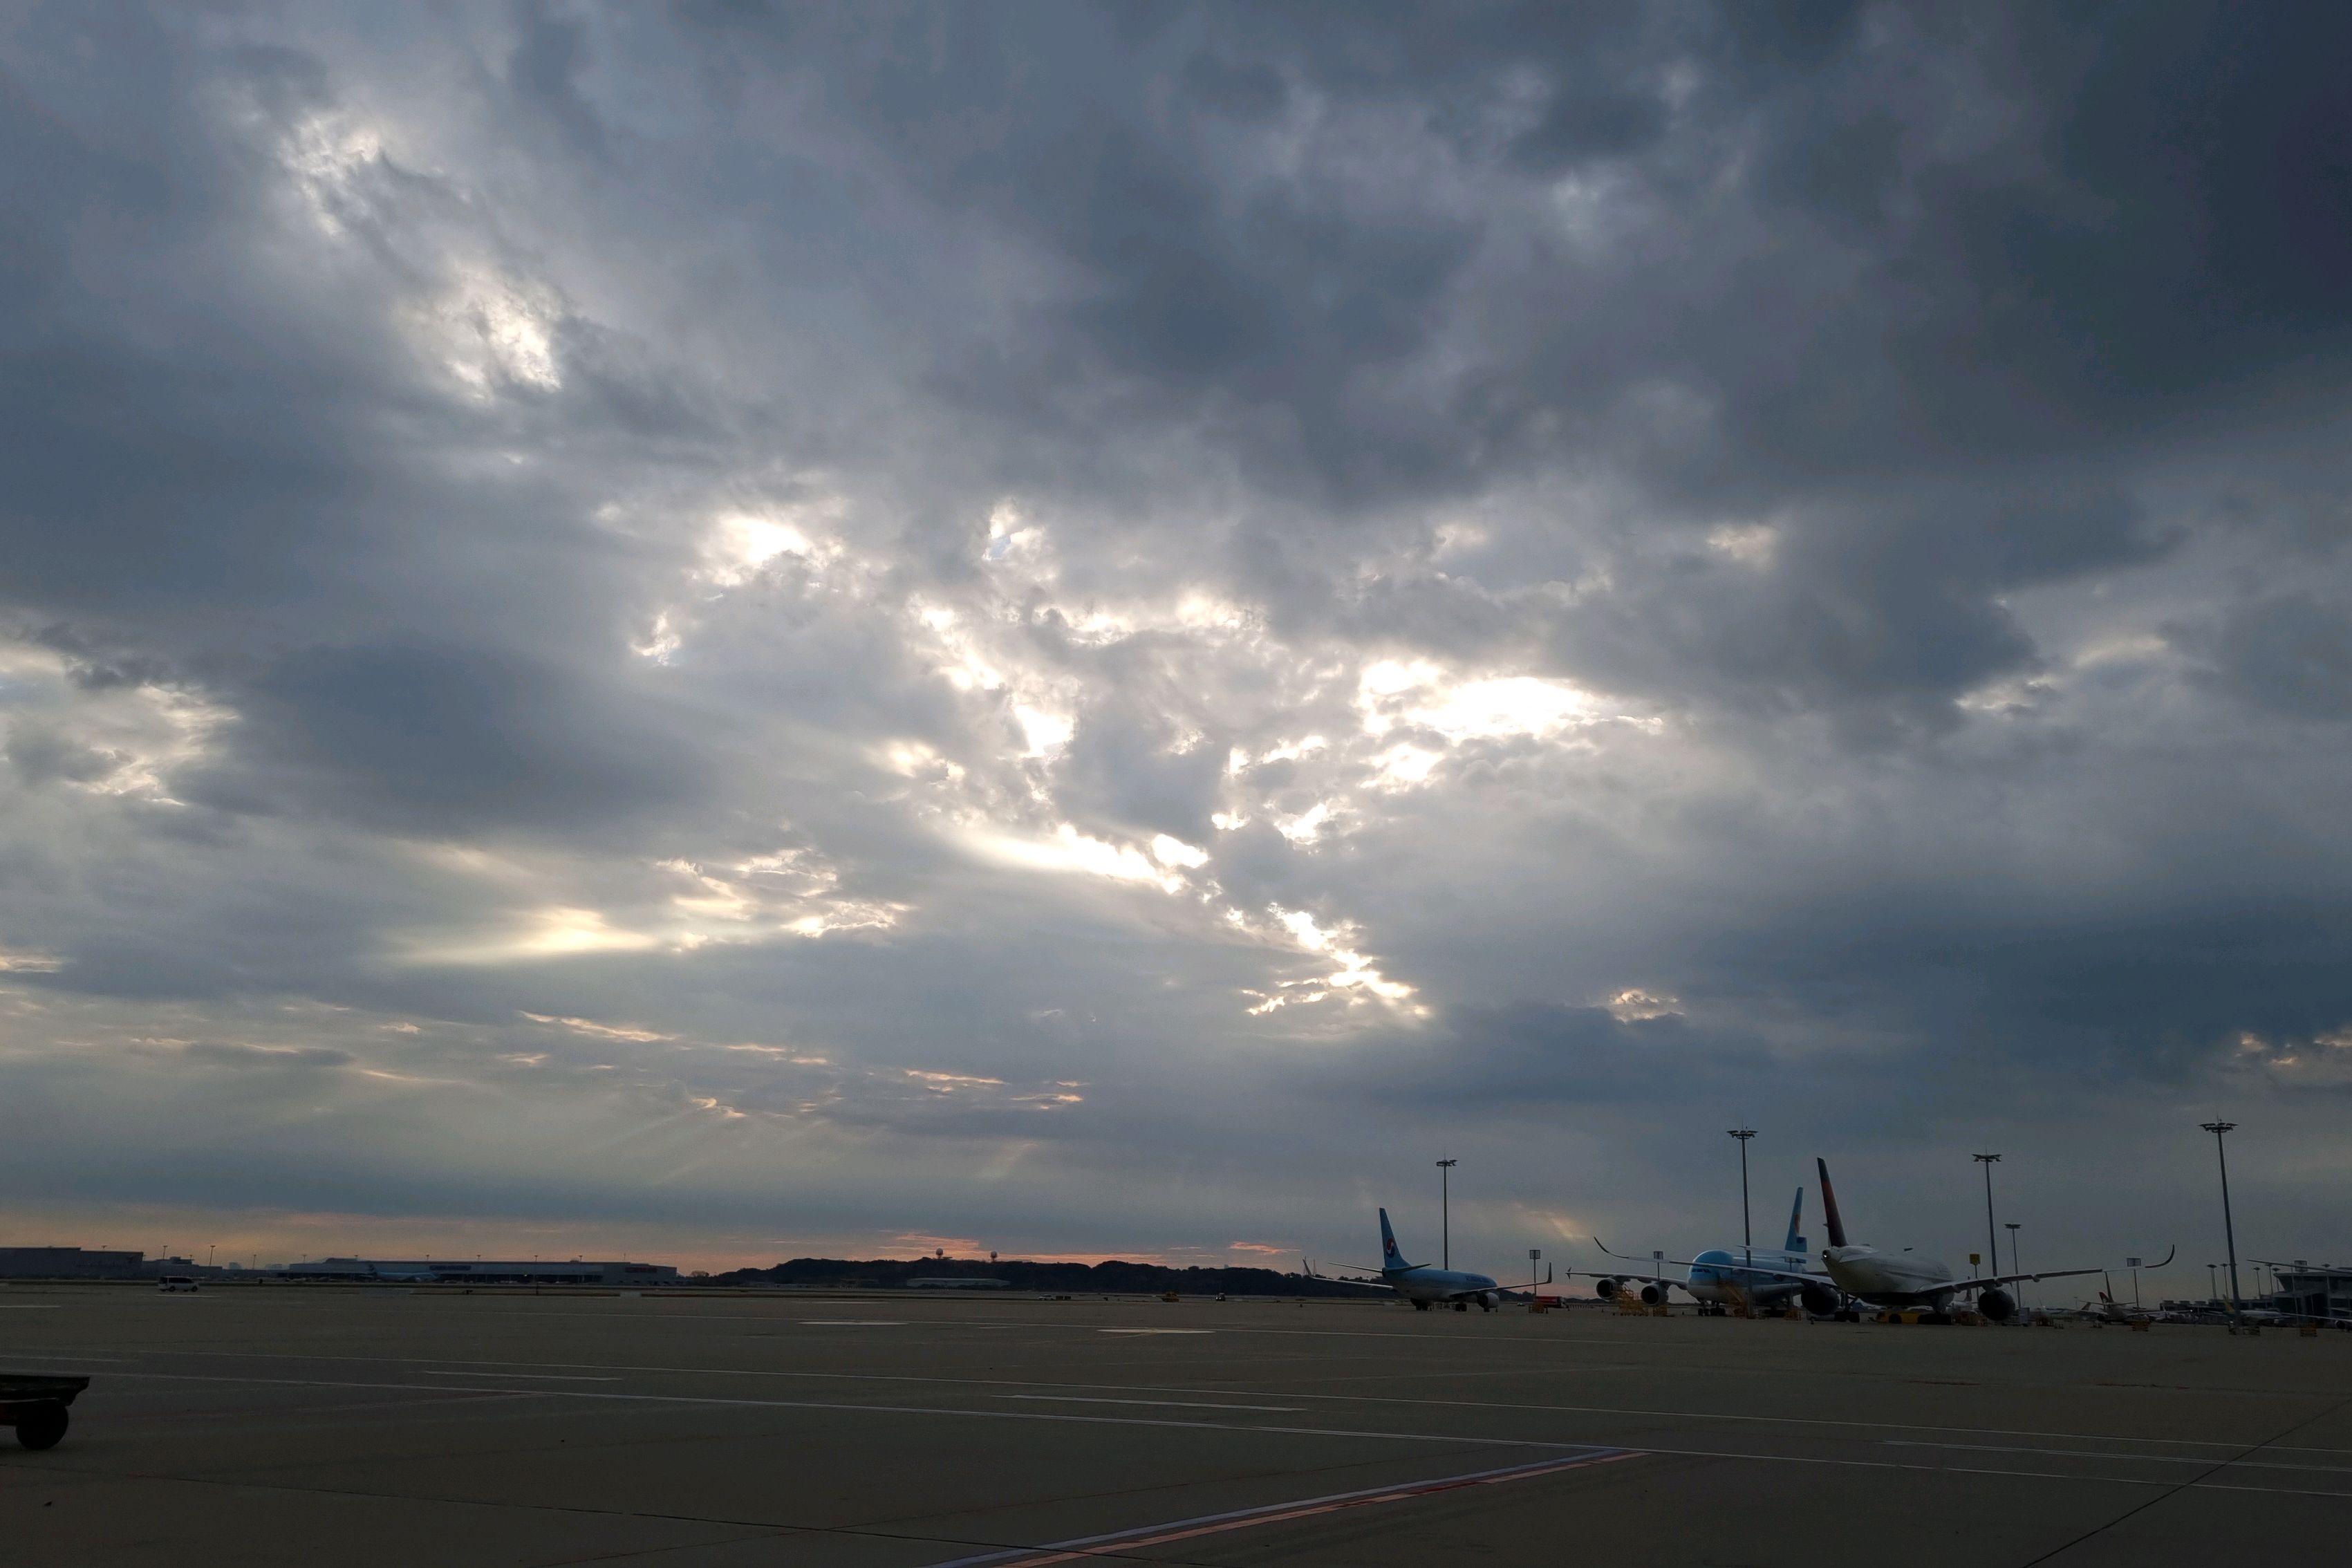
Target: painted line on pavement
x=1268, y=1428
x=1274, y=1393
x=534, y=1376
x=1170, y=1403
x=1275, y=1513
x=2135, y=1458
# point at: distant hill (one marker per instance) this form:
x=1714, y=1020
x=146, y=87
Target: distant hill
x=1113, y=1277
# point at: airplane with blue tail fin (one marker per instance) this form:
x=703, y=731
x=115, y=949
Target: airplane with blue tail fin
x=1851, y=1272
x=1724, y=1277
x=1423, y=1286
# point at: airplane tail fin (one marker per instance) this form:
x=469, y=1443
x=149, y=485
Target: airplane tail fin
x=1389, y=1256
x=1829, y=1204
x=1796, y=1242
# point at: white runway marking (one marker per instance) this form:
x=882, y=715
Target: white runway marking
x=1155, y=1330
x=27, y=1306
x=534, y=1376
x=2135, y=1458
x=1268, y=1428
x=1091, y=1546
x=1278, y=1394
x=853, y=1322
x=1169, y=1404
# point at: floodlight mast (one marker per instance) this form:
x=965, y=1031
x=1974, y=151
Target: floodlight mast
x=2228, y=1226
x=1444, y=1213
x=1993, y=1234
x=1747, y=1229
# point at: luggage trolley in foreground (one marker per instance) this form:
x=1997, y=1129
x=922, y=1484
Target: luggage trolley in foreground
x=35, y=1403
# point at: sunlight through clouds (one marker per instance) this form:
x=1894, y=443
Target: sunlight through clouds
x=615, y=611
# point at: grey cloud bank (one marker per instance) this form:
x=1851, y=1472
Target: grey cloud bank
x=1097, y=629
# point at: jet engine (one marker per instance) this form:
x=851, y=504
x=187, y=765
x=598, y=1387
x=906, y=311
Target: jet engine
x=1996, y=1304
x=1608, y=1289
x=1653, y=1294
x=1819, y=1299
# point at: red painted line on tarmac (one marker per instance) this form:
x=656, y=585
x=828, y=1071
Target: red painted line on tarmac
x=1275, y=1513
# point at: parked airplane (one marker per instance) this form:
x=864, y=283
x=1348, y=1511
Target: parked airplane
x=1726, y=1276
x=1904, y=1278
x=1426, y=1287
x=1908, y=1279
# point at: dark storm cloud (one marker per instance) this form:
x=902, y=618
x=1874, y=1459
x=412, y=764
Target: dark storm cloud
x=442, y=740
x=2291, y=653
x=785, y=587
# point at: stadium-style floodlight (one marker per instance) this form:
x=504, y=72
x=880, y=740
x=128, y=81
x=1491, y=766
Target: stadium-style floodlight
x=1993, y=1234
x=1444, y=1210
x=1747, y=1230
x=2228, y=1226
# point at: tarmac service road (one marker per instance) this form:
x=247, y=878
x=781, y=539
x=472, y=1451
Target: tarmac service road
x=283, y=1425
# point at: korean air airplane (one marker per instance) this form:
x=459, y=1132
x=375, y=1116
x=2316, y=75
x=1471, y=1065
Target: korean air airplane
x=1849, y=1273
x=1426, y=1287
x=1904, y=1278
x=1765, y=1277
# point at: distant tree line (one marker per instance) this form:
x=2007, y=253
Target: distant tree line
x=1113, y=1277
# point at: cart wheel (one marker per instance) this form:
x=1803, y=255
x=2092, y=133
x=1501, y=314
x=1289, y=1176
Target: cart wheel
x=41, y=1427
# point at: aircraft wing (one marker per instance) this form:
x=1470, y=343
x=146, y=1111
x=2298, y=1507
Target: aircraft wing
x=1817, y=1278
x=1986, y=1281
x=1375, y=1284
x=1604, y=1246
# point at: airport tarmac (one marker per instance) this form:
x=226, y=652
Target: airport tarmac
x=290, y=1425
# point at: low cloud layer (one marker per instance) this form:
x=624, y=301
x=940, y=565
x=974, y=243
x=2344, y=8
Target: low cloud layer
x=1108, y=628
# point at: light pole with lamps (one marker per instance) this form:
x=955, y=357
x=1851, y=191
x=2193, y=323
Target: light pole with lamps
x=2228, y=1226
x=1747, y=1230
x=1444, y=1213
x=1993, y=1236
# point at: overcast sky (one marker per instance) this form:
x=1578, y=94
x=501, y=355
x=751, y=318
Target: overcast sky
x=725, y=631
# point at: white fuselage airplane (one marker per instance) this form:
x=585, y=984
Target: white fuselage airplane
x=1904, y=1278
x=1729, y=1275
x=1908, y=1279
x=1426, y=1287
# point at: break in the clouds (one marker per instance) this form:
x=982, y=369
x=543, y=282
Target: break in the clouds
x=1107, y=627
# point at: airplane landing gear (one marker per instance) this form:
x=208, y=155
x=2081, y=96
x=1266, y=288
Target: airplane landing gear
x=1461, y=1306
x=1420, y=1306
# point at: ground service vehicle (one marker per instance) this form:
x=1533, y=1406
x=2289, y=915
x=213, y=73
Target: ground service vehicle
x=35, y=1403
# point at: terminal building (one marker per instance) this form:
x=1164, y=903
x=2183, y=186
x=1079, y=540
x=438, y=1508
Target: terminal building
x=72, y=1263
x=2313, y=1290
x=477, y=1271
